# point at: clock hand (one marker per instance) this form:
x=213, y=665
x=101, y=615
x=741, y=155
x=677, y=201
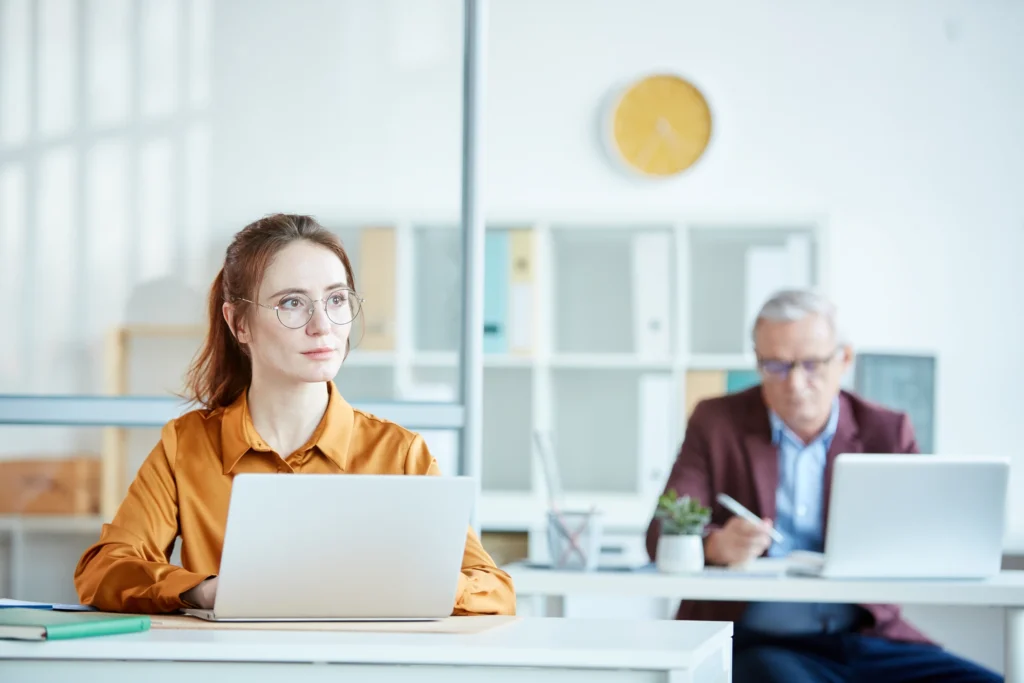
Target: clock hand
x=666, y=130
x=644, y=157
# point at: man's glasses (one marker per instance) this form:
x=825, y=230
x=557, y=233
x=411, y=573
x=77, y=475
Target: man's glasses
x=780, y=369
x=296, y=310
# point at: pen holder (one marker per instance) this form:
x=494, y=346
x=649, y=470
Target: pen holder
x=574, y=539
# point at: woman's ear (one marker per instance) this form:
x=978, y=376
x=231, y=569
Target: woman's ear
x=236, y=323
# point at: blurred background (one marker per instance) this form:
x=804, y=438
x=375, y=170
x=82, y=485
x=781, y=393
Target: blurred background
x=873, y=150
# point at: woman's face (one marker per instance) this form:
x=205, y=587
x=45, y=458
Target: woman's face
x=288, y=344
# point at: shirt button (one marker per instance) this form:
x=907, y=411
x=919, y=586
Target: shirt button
x=801, y=510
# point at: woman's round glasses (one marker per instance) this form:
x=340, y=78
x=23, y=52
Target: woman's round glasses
x=296, y=310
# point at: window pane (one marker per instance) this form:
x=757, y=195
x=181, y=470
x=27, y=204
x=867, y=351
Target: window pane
x=15, y=87
x=109, y=63
x=200, y=268
x=159, y=44
x=57, y=50
x=56, y=258
x=156, y=209
x=199, y=53
x=162, y=196
x=12, y=273
x=106, y=243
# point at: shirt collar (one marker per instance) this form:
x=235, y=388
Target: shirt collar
x=331, y=437
x=780, y=430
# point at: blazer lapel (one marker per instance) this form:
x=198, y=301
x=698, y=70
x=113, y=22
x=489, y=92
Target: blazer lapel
x=846, y=440
x=763, y=459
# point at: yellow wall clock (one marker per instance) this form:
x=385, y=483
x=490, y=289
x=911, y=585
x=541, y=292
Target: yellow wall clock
x=659, y=126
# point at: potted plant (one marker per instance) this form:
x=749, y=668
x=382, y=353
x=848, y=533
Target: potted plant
x=681, y=544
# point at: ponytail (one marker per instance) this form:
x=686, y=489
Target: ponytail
x=221, y=371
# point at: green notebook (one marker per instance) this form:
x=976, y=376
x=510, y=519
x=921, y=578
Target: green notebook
x=44, y=624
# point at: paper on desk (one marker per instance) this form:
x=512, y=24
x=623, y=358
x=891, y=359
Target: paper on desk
x=762, y=566
x=56, y=606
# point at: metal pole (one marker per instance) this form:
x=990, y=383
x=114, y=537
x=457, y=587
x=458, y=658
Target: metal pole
x=471, y=367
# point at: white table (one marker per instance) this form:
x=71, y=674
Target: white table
x=591, y=650
x=1004, y=590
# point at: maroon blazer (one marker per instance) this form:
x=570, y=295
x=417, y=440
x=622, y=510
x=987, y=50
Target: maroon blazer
x=728, y=449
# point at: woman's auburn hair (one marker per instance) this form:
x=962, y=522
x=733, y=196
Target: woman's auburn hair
x=222, y=370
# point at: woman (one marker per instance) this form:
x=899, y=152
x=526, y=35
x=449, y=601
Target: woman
x=281, y=310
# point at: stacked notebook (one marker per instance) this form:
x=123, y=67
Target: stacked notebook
x=17, y=623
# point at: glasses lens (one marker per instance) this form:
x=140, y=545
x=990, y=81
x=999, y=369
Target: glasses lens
x=776, y=368
x=294, y=312
x=812, y=367
x=342, y=306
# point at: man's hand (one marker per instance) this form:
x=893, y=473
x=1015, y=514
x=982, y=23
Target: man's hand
x=202, y=595
x=738, y=542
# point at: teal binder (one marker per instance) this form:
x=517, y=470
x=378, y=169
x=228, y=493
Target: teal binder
x=738, y=380
x=496, y=286
x=18, y=623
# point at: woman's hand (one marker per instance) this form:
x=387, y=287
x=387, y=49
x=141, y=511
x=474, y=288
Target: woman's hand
x=202, y=596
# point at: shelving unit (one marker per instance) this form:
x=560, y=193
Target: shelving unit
x=618, y=314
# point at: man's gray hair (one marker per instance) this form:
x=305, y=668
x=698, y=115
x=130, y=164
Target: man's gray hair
x=790, y=305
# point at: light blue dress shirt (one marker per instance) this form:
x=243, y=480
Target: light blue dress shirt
x=799, y=511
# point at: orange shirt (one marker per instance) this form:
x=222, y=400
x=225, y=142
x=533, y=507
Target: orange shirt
x=184, y=485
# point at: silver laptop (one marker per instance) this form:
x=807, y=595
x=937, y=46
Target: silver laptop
x=337, y=547
x=912, y=516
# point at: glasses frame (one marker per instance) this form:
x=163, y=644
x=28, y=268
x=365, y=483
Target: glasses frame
x=312, y=308
x=812, y=367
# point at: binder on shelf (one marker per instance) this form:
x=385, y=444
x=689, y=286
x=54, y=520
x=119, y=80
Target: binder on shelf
x=521, y=292
x=738, y=380
x=656, y=447
x=437, y=310
x=702, y=384
x=652, y=287
x=377, y=285
x=496, y=291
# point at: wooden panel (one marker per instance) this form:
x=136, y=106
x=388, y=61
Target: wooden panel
x=702, y=384
x=377, y=285
x=50, y=486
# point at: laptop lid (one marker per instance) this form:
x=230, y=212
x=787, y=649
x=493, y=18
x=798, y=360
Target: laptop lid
x=916, y=516
x=328, y=546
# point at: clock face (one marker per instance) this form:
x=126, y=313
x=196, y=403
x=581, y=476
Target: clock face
x=660, y=126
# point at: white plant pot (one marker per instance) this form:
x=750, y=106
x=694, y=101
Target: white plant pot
x=680, y=554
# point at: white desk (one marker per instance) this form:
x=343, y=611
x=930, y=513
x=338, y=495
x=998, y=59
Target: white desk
x=592, y=650
x=1005, y=590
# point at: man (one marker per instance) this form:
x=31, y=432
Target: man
x=772, y=448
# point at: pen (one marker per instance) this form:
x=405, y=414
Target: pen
x=730, y=504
